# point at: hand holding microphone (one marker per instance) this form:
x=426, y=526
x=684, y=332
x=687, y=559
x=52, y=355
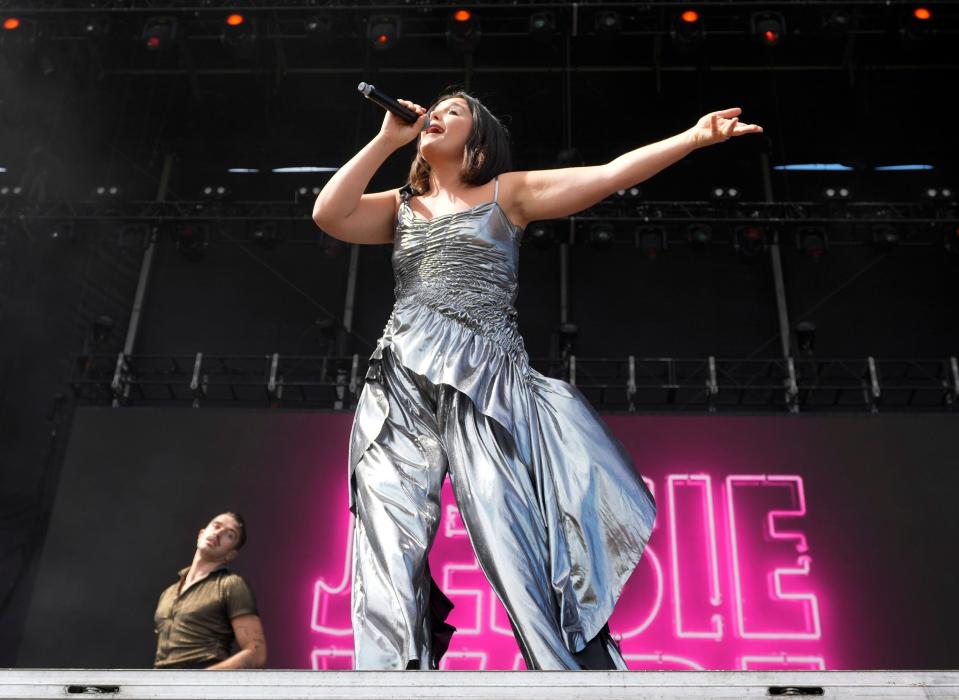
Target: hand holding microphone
x=404, y=119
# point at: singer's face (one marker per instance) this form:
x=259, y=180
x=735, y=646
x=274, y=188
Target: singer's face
x=447, y=130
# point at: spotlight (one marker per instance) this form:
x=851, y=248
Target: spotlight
x=107, y=191
x=699, y=235
x=319, y=26
x=159, y=33
x=566, y=335
x=837, y=22
x=19, y=34
x=607, y=22
x=950, y=239
x=264, y=234
x=750, y=241
x=768, y=27
x=218, y=192
x=542, y=24
x=725, y=193
x=463, y=31
x=239, y=32
x=812, y=241
x=102, y=329
x=922, y=14
x=884, y=236
x=62, y=231
x=305, y=192
x=687, y=29
x=651, y=240
x=601, y=236
x=836, y=193
x=806, y=337
x=11, y=191
x=383, y=31
x=95, y=27
x=938, y=193
x=192, y=240
x=540, y=234
x=632, y=193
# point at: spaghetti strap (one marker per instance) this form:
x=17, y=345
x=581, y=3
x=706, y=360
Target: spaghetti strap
x=496, y=188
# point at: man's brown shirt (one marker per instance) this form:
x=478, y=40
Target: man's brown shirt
x=194, y=628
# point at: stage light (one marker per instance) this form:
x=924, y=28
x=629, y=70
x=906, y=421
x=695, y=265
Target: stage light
x=102, y=329
x=383, y=31
x=725, y=193
x=264, y=234
x=239, y=32
x=218, y=192
x=607, y=22
x=463, y=31
x=107, y=191
x=540, y=234
x=319, y=26
x=812, y=241
x=884, y=236
x=566, y=334
x=159, y=33
x=837, y=22
x=836, y=193
x=750, y=241
x=11, y=191
x=192, y=240
x=651, y=240
x=96, y=27
x=950, y=239
x=806, y=337
x=631, y=192
x=601, y=236
x=542, y=24
x=699, y=235
x=938, y=193
x=922, y=14
x=768, y=27
x=687, y=30
x=305, y=191
x=62, y=231
x=11, y=23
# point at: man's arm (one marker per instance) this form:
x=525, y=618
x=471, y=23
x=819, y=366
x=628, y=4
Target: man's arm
x=249, y=636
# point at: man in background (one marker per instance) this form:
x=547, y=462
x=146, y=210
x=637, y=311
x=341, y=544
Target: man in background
x=210, y=611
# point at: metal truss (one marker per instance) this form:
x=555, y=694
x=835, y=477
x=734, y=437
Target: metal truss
x=631, y=384
x=854, y=223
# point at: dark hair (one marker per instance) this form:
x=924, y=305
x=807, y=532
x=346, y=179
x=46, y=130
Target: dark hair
x=487, y=148
x=242, y=529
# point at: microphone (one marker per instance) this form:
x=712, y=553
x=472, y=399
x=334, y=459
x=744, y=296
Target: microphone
x=376, y=95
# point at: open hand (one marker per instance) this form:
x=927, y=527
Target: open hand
x=720, y=126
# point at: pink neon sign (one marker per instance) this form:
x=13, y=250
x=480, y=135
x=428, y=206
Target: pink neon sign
x=727, y=582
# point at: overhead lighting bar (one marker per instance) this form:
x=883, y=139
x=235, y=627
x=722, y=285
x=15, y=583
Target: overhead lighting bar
x=305, y=169
x=817, y=167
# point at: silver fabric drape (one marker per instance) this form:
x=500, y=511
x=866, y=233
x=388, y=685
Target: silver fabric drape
x=555, y=512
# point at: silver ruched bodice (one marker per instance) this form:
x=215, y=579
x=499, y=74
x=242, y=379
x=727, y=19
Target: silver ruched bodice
x=464, y=266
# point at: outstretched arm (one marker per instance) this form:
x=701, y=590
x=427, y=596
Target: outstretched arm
x=549, y=194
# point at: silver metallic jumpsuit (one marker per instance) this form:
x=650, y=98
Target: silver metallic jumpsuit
x=555, y=512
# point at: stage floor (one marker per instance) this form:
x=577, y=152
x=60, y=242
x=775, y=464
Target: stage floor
x=475, y=685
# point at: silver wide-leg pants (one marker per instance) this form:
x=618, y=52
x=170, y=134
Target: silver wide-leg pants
x=398, y=611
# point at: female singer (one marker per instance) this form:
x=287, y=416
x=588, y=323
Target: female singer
x=555, y=511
